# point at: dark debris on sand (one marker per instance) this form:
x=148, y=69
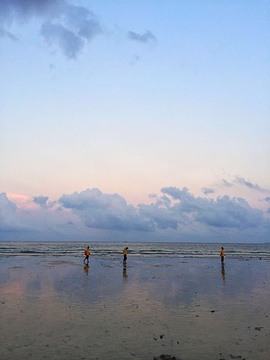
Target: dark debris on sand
x=165, y=357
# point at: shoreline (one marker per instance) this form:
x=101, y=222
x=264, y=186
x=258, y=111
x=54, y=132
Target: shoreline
x=137, y=250
x=188, y=307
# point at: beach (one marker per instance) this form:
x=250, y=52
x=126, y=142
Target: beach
x=191, y=308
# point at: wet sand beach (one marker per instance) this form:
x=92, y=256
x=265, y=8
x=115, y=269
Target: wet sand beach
x=56, y=308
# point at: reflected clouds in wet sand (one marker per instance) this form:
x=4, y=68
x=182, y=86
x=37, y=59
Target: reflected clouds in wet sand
x=181, y=306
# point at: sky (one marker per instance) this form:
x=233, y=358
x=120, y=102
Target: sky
x=129, y=120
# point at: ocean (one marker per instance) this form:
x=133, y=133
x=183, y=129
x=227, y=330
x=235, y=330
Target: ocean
x=135, y=249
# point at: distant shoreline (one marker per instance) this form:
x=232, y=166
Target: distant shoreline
x=136, y=250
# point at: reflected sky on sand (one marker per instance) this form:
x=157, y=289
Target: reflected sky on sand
x=51, y=308
x=173, y=282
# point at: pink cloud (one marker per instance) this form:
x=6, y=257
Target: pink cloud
x=22, y=201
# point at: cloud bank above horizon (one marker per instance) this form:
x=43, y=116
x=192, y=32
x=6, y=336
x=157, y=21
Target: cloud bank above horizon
x=174, y=215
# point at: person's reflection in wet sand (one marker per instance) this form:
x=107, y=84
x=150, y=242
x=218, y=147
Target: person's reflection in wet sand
x=124, y=272
x=86, y=269
x=223, y=271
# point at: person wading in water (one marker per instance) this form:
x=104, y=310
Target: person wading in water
x=87, y=254
x=125, y=256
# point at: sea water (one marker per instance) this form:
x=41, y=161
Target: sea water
x=135, y=249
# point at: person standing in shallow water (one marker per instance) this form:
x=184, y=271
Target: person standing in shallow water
x=125, y=255
x=87, y=254
x=222, y=255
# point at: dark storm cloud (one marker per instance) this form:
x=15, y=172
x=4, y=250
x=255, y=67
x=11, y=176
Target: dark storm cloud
x=144, y=38
x=64, y=26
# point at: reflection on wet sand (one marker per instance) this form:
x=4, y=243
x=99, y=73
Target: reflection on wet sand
x=124, y=272
x=165, y=307
x=86, y=269
x=223, y=270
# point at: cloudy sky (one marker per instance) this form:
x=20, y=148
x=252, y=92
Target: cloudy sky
x=135, y=120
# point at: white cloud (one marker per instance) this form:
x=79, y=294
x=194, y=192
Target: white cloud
x=64, y=26
x=7, y=211
x=41, y=200
x=69, y=42
x=67, y=27
x=224, y=212
x=208, y=191
x=142, y=38
x=105, y=211
x=238, y=180
x=241, y=181
x=175, y=215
